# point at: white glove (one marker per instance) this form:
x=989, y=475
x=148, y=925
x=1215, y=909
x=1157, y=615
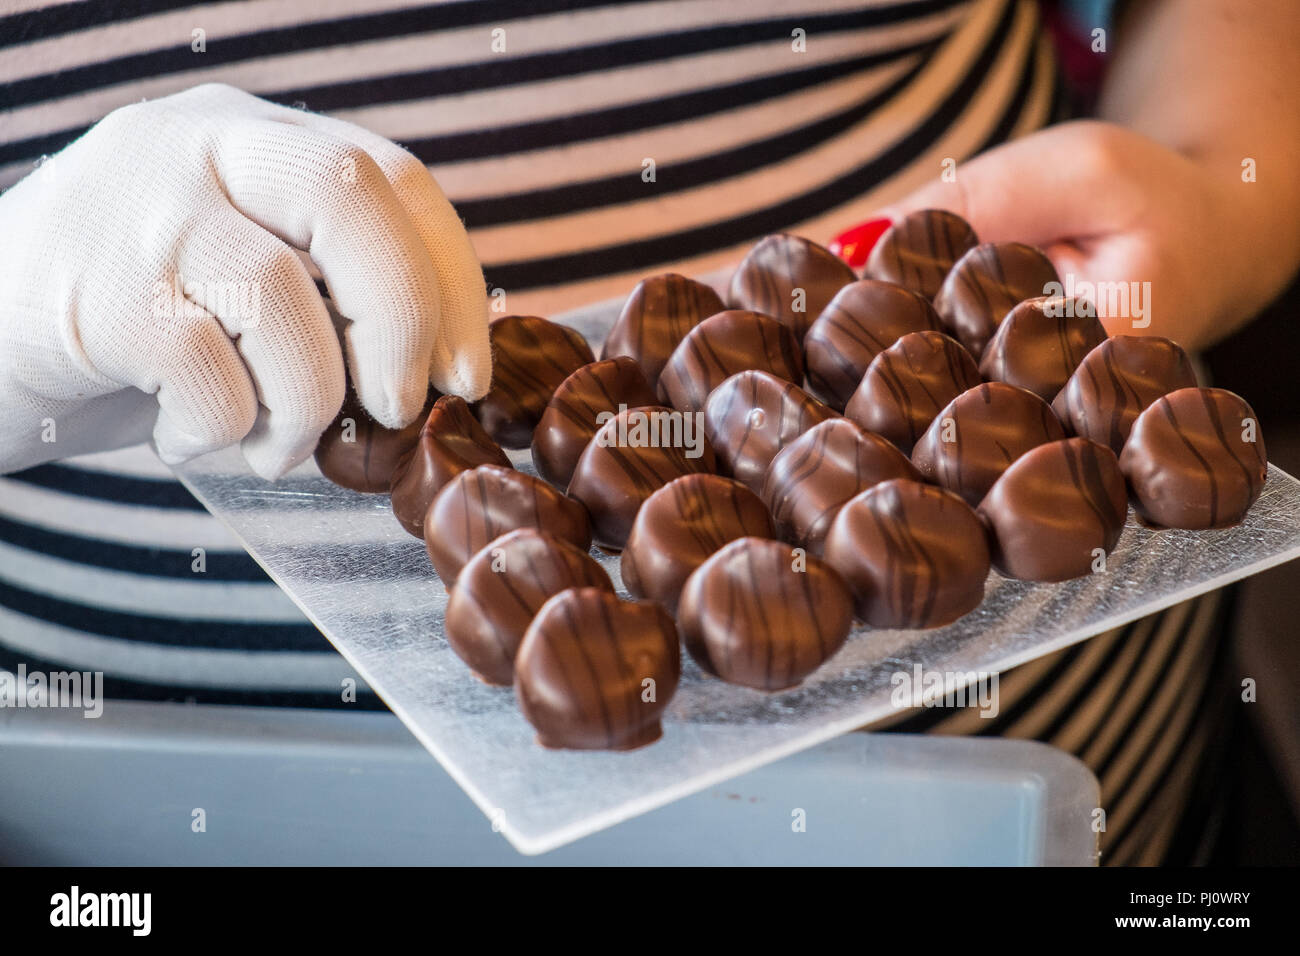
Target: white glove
x=149, y=281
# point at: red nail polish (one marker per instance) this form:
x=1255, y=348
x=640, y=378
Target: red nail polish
x=854, y=245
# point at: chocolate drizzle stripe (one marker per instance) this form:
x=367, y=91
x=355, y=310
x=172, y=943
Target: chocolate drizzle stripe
x=1200, y=459
x=1216, y=423
x=582, y=655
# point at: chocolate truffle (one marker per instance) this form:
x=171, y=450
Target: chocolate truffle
x=788, y=278
x=656, y=317
x=531, y=356
x=919, y=249
x=1053, y=508
x=987, y=283
x=979, y=433
x=863, y=320
x=752, y=416
x=450, y=442
x=914, y=555
x=1116, y=381
x=595, y=673
x=906, y=385
x=810, y=479
x=758, y=615
x=683, y=523
x=486, y=502
x=575, y=411
x=633, y=455
x=500, y=590
x=1041, y=342
x=357, y=452
x=1195, y=459
x=723, y=345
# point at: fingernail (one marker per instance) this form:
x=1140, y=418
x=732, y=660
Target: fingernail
x=854, y=245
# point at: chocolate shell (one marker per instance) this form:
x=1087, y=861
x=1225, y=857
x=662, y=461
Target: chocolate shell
x=987, y=283
x=915, y=556
x=357, y=452
x=655, y=319
x=1041, y=342
x=479, y=505
x=1116, y=381
x=909, y=383
x=595, y=673
x=789, y=278
x=680, y=525
x=759, y=615
x=633, y=455
x=576, y=409
x=451, y=441
x=1195, y=459
x=752, y=416
x=863, y=320
x=723, y=345
x=1054, y=509
x=811, y=478
x=531, y=356
x=979, y=433
x=500, y=590
x=919, y=249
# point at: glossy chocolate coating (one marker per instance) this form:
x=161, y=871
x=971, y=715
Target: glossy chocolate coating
x=531, y=356
x=919, y=249
x=1189, y=462
x=1053, y=508
x=989, y=427
x=766, y=280
x=1116, y=381
x=450, y=442
x=571, y=417
x=908, y=384
x=582, y=668
x=620, y=468
x=656, y=317
x=486, y=502
x=500, y=590
x=914, y=555
x=749, y=617
x=752, y=416
x=683, y=523
x=1038, y=346
x=367, y=461
x=987, y=283
x=863, y=320
x=723, y=345
x=811, y=478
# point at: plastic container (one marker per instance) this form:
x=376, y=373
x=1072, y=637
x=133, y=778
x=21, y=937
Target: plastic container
x=313, y=787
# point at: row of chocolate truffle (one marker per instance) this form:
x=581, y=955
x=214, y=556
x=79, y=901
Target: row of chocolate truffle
x=526, y=393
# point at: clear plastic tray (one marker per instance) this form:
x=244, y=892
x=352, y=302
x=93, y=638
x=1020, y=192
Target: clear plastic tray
x=368, y=586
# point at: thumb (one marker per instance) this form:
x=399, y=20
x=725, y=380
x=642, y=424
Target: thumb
x=1061, y=184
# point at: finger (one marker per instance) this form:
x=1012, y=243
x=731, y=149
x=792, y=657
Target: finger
x=206, y=399
x=1067, y=181
x=462, y=354
x=265, y=300
x=326, y=195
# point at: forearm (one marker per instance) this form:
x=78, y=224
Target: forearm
x=1214, y=80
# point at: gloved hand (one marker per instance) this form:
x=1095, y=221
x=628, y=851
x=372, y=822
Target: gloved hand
x=150, y=282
